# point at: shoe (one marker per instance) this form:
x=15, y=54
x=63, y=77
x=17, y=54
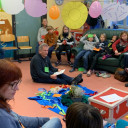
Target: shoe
x=72, y=70
x=77, y=79
x=85, y=71
x=106, y=76
x=70, y=63
x=102, y=74
x=89, y=73
x=108, y=56
x=126, y=85
x=104, y=57
x=57, y=63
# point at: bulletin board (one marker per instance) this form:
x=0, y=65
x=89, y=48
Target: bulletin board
x=5, y=23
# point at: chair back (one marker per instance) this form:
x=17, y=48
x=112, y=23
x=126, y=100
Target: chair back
x=7, y=38
x=21, y=39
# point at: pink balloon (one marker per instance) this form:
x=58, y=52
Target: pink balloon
x=35, y=8
x=95, y=9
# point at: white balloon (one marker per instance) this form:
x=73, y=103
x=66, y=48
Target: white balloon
x=114, y=11
x=12, y=6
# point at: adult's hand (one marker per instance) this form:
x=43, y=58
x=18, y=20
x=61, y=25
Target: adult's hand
x=40, y=42
x=53, y=76
x=59, y=70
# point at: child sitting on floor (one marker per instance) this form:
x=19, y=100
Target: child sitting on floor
x=108, y=50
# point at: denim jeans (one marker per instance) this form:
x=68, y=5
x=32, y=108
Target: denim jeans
x=53, y=123
x=94, y=57
x=37, y=48
x=61, y=79
x=125, y=60
x=84, y=54
x=50, y=51
x=61, y=48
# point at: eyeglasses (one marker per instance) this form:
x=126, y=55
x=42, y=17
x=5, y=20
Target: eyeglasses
x=15, y=84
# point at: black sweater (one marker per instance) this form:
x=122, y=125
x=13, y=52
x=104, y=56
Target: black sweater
x=37, y=67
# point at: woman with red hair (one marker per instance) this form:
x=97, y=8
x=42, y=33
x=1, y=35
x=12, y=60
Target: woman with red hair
x=10, y=78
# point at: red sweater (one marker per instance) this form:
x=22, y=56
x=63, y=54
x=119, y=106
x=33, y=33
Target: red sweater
x=118, y=42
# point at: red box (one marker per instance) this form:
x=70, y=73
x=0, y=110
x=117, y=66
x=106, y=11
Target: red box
x=111, y=111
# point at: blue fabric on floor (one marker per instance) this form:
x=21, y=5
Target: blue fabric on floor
x=47, y=99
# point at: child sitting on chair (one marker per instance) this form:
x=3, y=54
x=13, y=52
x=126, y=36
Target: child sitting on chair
x=89, y=44
x=108, y=50
x=50, y=39
x=97, y=52
x=65, y=41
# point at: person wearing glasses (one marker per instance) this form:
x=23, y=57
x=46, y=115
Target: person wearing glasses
x=42, y=70
x=10, y=79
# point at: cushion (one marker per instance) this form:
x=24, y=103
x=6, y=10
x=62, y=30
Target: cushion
x=109, y=62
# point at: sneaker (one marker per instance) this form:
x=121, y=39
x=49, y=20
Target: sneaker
x=104, y=57
x=89, y=73
x=70, y=63
x=85, y=71
x=77, y=79
x=106, y=76
x=57, y=63
x=72, y=70
x=108, y=56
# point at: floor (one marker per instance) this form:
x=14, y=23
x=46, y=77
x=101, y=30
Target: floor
x=28, y=88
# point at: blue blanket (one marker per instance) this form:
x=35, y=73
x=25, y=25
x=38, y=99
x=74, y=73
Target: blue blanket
x=47, y=99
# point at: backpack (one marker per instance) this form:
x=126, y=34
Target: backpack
x=119, y=77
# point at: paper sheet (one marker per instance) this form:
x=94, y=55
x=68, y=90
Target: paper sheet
x=60, y=72
x=111, y=98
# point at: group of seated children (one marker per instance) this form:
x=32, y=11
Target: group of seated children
x=93, y=47
x=64, y=41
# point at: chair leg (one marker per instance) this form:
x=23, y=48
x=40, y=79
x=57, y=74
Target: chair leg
x=19, y=57
x=30, y=55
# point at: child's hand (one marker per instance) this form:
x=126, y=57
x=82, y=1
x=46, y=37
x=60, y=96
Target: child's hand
x=86, y=35
x=94, y=35
x=64, y=42
x=117, y=53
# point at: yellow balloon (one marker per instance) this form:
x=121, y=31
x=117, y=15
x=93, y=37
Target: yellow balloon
x=74, y=14
x=54, y=12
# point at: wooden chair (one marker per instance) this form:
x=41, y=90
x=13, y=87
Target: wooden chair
x=23, y=43
x=8, y=43
x=8, y=38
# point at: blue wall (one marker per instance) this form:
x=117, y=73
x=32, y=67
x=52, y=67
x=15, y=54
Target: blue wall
x=27, y=25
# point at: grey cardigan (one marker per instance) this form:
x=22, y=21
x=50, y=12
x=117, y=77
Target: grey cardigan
x=11, y=120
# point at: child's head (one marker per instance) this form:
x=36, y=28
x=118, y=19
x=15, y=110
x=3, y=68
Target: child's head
x=44, y=22
x=81, y=115
x=103, y=37
x=90, y=37
x=124, y=35
x=114, y=38
x=50, y=29
x=65, y=29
